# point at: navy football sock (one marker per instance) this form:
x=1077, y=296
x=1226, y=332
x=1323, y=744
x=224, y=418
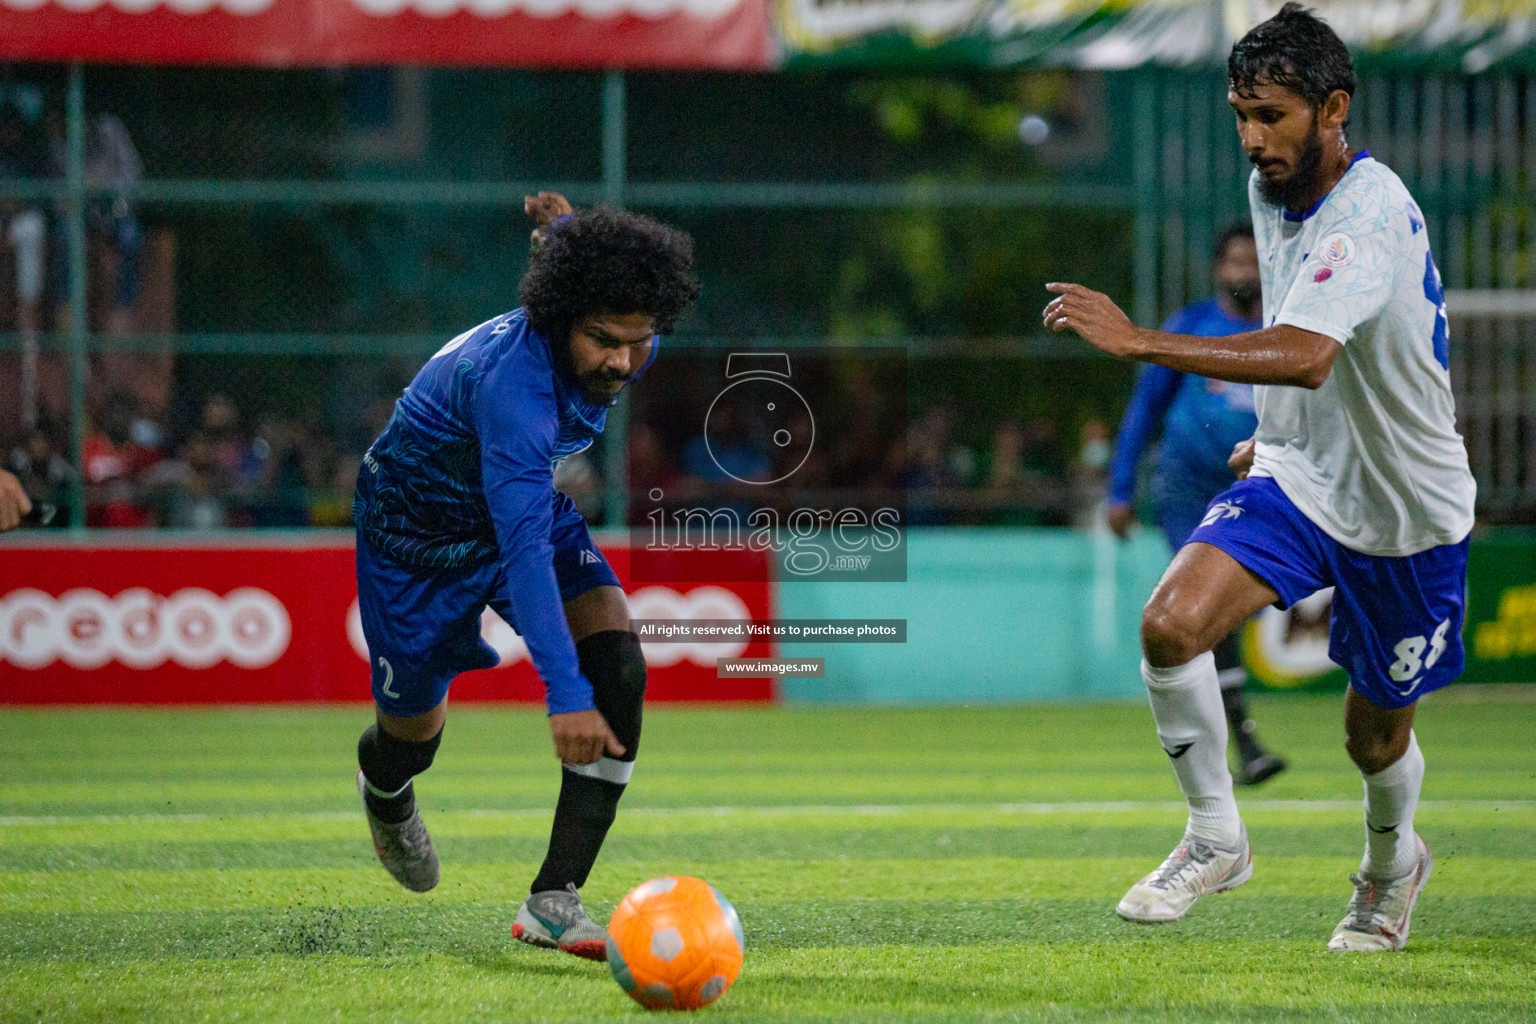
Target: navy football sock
x=389, y=764
x=589, y=794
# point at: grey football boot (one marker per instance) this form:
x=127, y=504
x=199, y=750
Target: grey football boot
x=556, y=920
x=405, y=849
x=1380, y=909
x=1194, y=868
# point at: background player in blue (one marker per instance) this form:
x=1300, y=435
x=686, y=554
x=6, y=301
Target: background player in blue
x=1355, y=478
x=456, y=510
x=1202, y=420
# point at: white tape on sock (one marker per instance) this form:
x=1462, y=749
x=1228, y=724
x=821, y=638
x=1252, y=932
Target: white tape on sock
x=606, y=768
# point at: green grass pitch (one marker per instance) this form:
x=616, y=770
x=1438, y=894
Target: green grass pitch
x=957, y=864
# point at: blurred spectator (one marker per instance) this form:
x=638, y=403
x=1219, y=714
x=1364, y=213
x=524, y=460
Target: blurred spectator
x=1006, y=472
x=235, y=454
x=111, y=164
x=194, y=486
x=857, y=440
x=937, y=467
x=1045, y=455
x=44, y=473
x=728, y=452
x=115, y=256
x=650, y=467
x=376, y=417
x=14, y=503
x=24, y=154
x=935, y=460
x=1006, y=479
x=289, y=468
x=1021, y=486
x=338, y=456
x=1090, y=473
x=332, y=506
x=113, y=464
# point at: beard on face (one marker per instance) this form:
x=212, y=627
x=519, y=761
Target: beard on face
x=595, y=384
x=1292, y=191
x=592, y=383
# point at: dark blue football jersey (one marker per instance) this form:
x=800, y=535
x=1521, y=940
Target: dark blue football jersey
x=463, y=475
x=1201, y=419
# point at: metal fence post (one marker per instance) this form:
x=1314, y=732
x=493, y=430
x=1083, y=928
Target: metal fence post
x=615, y=468
x=1144, y=169
x=74, y=179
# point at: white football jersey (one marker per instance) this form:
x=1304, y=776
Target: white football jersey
x=1372, y=457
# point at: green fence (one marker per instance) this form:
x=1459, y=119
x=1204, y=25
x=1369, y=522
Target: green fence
x=363, y=215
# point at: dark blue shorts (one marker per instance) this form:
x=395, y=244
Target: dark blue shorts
x=423, y=625
x=1396, y=625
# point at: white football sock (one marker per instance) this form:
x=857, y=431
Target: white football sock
x=1390, y=798
x=1192, y=727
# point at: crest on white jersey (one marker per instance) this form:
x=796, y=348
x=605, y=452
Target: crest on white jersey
x=1338, y=249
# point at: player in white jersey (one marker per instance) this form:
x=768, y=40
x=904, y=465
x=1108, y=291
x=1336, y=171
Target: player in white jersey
x=1355, y=479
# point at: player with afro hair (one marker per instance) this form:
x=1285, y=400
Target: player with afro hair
x=456, y=511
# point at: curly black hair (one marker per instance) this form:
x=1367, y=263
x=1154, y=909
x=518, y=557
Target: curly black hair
x=1295, y=50
x=607, y=261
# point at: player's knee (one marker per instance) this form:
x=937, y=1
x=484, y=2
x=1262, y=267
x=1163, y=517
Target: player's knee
x=1373, y=750
x=1168, y=636
x=613, y=663
x=1363, y=749
x=390, y=762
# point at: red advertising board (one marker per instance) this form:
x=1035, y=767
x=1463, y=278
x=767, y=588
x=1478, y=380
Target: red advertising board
x=258, y=621
x=726, y=34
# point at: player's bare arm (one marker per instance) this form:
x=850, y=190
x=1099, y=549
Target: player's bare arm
x=14, y=503
x=1274, y=355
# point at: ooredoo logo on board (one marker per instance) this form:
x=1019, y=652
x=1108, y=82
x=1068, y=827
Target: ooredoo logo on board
x=194, y=628
x=646, y=603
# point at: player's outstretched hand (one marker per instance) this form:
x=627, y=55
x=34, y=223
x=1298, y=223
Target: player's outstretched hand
x=544, y=208
x=1093, y=315
x=581, y=737
x=1241, y=459
x=14, y=502
x=1121, y=515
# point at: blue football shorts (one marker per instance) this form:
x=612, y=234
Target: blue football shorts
x=423, y=625
x=1396, y=625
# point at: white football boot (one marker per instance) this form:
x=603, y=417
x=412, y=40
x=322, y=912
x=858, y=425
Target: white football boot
x=1194, y=868
x=1380, y=909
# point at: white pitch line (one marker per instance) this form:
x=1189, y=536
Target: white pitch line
x=785, y=810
